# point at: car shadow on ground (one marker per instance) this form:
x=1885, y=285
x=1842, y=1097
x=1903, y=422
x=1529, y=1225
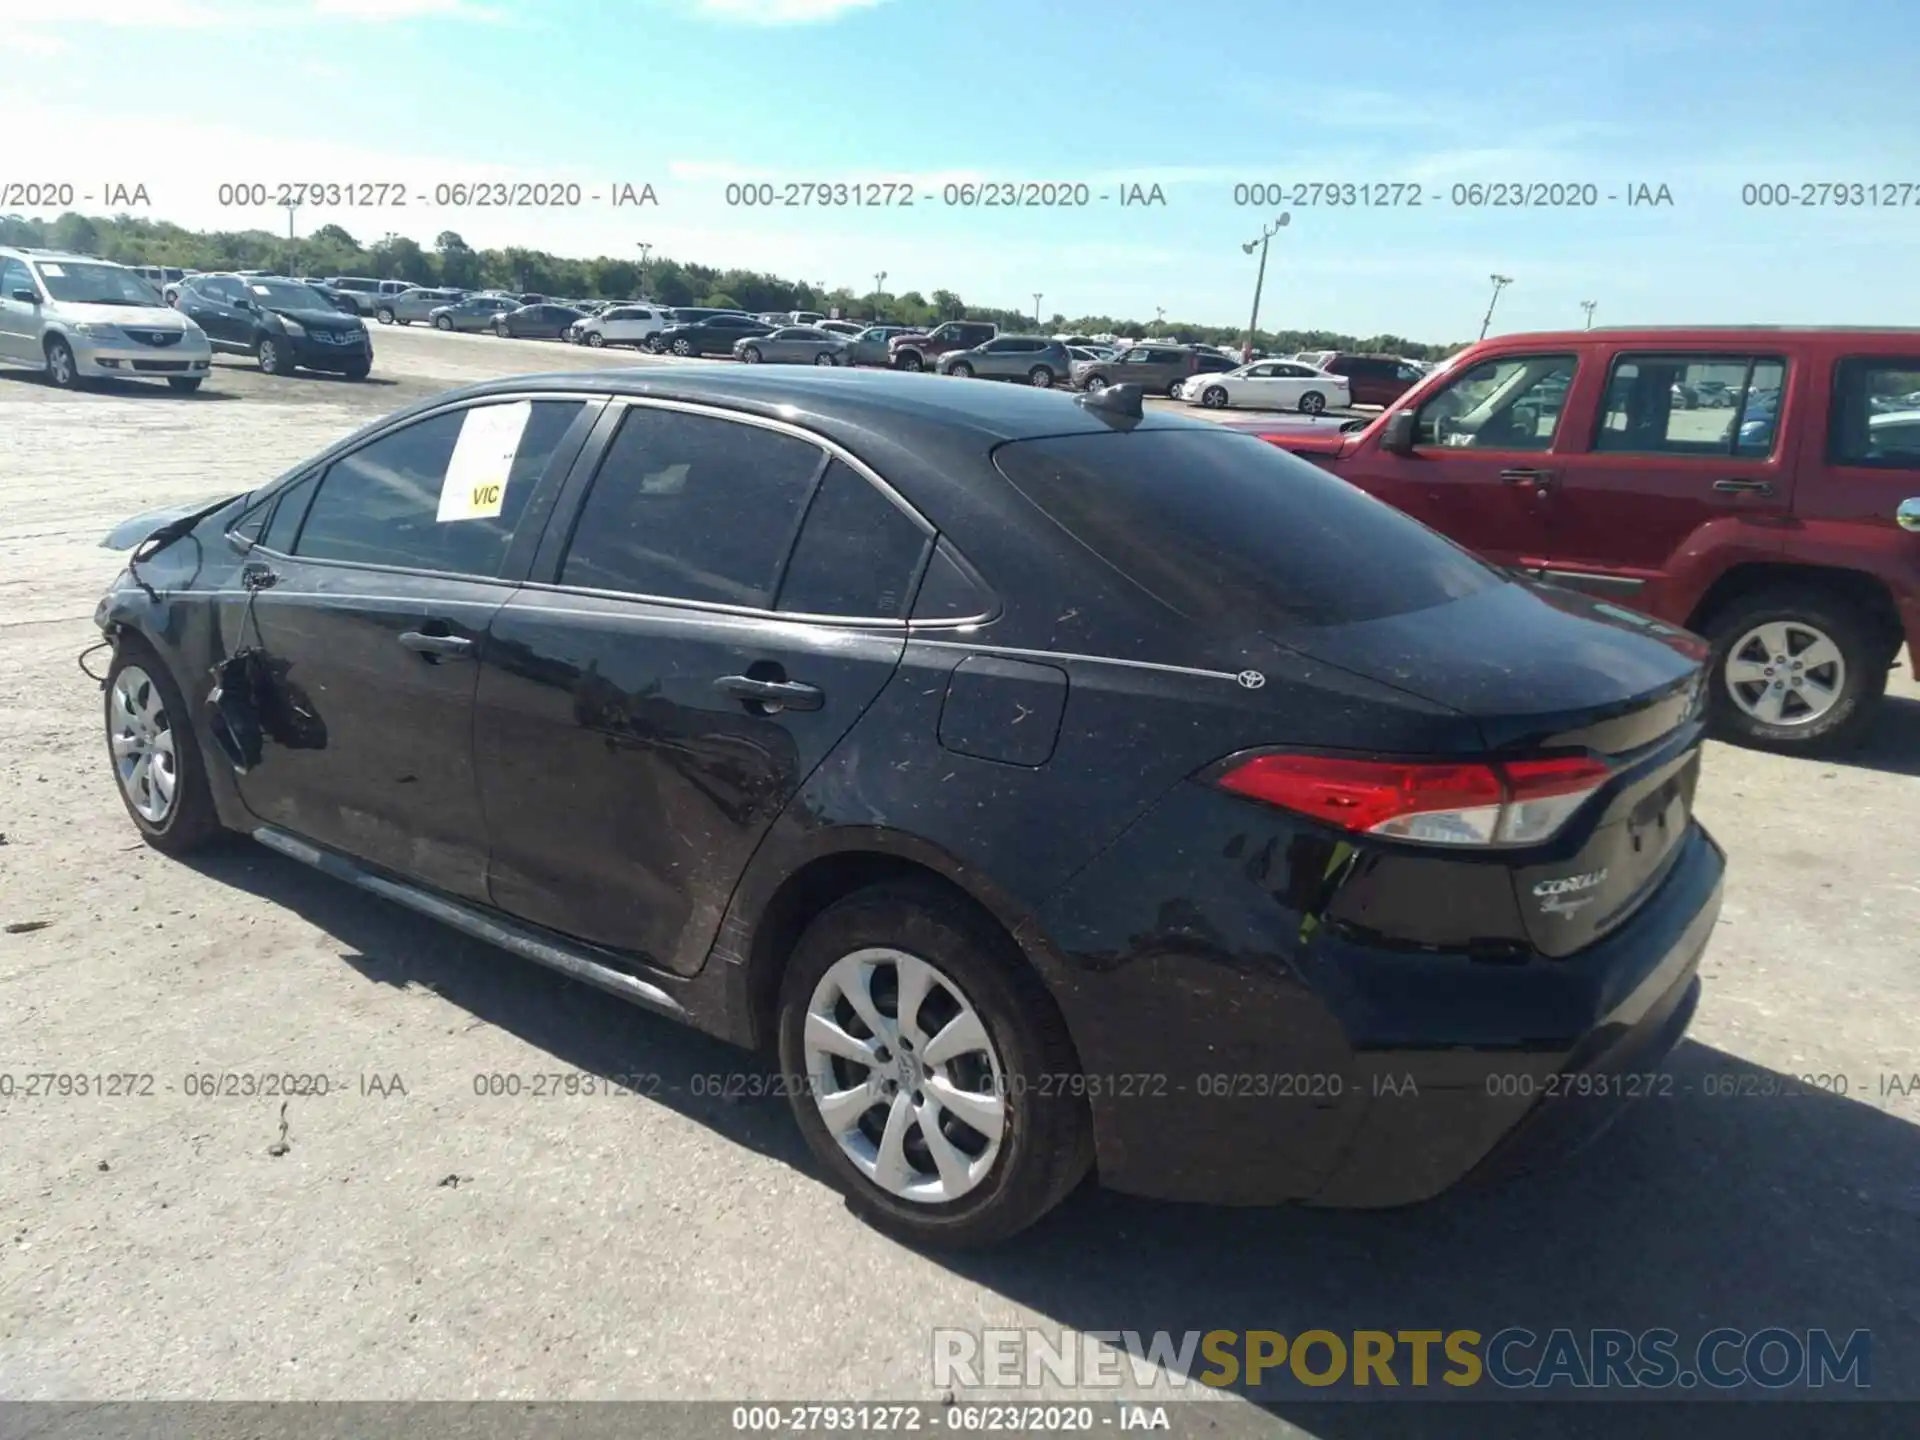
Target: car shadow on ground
x=1742, y=1198
x=1893, y=747
x=120, y=389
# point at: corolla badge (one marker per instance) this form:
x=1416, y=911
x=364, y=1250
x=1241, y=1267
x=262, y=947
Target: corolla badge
x=1563, y=897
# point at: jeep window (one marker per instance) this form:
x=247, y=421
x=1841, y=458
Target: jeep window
x=1689, y=405
x=1513, y=403
x=1876, y=413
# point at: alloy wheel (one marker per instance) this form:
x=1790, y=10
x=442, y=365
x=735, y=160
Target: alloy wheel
x=140, y=735
x=1785, y=672
x=906, y=1079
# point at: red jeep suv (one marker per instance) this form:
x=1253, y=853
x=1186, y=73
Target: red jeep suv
x=1758, y=485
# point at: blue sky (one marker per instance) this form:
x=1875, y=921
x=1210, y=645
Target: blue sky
x=691, y=95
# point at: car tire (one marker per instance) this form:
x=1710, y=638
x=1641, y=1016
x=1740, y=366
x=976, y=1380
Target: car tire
x=1094, y=382
x=358, y=372
x=962, y=369
x=651, y=344
x=1214, y=397
x=185, y=384
x=63, y=371
x=1040, y=377
x=271, y=356
x=595, y=340
x=143, y=704
x=383, y=315
x=1801, y=621
x=442, y=322
x=1045, y=1145
x=826, y=357
x=1173, y=388
x=682, y=348
x=1313, y=403
x=751, y=354
x=910, y=361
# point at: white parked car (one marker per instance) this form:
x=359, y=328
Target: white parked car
x=1270, y=385
x=619, y=325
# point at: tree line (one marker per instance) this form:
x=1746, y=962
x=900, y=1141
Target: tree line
x=331, y=250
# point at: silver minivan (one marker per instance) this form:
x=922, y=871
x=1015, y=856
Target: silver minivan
x=416, y=302
x=76, y=318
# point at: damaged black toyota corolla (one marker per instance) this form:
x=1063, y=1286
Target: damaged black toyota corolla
x=1055, y=787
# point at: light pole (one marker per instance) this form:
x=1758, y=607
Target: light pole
x=293, y=262
x=646, y=248
x=1500, y=282
x=1588, y=306
x=879, y=289
x=1036, y=309
x=1267, y=232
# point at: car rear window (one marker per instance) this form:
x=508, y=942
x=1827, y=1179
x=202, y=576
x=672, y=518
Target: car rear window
x=1225, y=528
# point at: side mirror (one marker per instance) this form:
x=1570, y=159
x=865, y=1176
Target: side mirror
x=1396, y=437
x=243, y=303
x=27, y=296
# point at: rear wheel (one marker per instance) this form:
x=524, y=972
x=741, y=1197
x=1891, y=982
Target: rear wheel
x=914, y=1041
x=1040, y=377
x=910, y=361
x=155, y=755
x=384, y=315
x=1313, y=403
x=186, y=384
x=1798, y=671
x=826, y=357
x=751, y=355
x=1173, y=389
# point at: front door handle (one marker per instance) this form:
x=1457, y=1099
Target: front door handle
x=1524, y=476
x=786, y=694
x=436, y=647
x=1744, y=487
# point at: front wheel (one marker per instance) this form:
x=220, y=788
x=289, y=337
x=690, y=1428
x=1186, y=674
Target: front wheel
x=1214, y=397
x=63, y=372
x=1313, y=403
x=682, y=348
x=442, y=322
x=273, y=357
x=595, y=340
x=826, y=357
x=1797, y=671
x=963, y=370
x=156, y=757
x=910, y=362
x=358, y=372
x=1173, y=389
x=751, y=354
x=383, y=315
x=916, y=1043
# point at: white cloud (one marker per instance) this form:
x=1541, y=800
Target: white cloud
x=778, y=12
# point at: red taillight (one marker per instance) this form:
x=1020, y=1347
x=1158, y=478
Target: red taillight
x=1514, y=802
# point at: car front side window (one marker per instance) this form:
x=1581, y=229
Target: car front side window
x=1508, y=404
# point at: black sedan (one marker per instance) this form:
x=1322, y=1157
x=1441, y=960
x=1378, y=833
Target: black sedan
x=711, y=335
x=284, y=324
x=536, y=322
x=1051, y=785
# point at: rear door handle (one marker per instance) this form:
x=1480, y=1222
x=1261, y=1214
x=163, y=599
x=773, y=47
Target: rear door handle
x=436, y=646
x=1744, y=487
x=787, y=694
x=1526, y=477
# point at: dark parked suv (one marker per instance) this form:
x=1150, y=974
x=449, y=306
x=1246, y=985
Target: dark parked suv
x=1375, y=379
x=1155, y=368
x=283, y=324
x=1228, y=830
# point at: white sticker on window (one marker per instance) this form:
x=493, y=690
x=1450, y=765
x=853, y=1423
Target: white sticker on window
x=476, y=483
x=259, y=289
x=52, y=272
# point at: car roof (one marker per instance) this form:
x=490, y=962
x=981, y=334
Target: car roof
x=1703, y=333
x=838, y=401
x=40, y=253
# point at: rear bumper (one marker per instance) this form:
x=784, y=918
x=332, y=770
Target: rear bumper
x=1234, y=1056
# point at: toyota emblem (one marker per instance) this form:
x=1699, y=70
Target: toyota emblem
x=1251, y=679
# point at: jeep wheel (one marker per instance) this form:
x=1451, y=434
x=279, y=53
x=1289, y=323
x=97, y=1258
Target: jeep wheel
x=910, y=361
x=1798, y=671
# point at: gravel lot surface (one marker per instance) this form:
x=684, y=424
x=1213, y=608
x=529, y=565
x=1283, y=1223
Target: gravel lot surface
x=418, y=1240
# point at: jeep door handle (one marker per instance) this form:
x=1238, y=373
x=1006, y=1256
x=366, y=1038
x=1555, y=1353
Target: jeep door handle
x=436, y=646
x=1744, y=487
x=1527, y=477
x=787, y=694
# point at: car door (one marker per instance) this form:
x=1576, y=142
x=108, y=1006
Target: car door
x=677, y=665
x=1259, y=386
x=207, y=300
x=1485, y=456
x=19, y=319
x=368, y=607
x=1655, y=472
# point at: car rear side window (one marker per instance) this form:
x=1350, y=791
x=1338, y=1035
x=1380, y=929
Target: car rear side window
x=1228, y=530
x=384, y=503
x=858, y=553
x=283, y=527
x=1689, y=405
x=692, y=507
x=1875, y=420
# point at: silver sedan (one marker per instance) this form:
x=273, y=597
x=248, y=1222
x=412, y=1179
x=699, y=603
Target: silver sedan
x=795, y=345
